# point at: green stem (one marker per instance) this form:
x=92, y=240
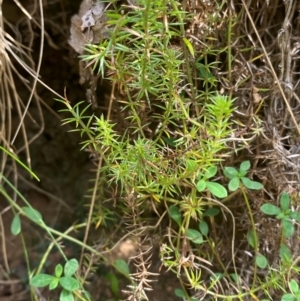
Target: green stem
x=254, y=232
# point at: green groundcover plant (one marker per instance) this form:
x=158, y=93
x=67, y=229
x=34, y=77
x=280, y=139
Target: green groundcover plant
x=166, y=149
x=174, y=136
x=66, y=281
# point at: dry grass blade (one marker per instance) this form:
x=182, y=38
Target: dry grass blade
x=12, y=103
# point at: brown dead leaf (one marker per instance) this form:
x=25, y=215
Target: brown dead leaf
x=256, y=96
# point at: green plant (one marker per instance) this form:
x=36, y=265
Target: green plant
x=176, y=168
x=195, y=209
x=35, y=216
x=141, y=166
x=67, y=282
x=215, y=188
x=164, y=152
x=238, y=177
x=165, y=149
x=182, y=294
x=284, y=213
x=294, y=288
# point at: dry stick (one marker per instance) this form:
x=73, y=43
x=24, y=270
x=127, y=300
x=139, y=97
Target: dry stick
x=26, y=68
x=233, y=232
x=4, y=123
x=36, y=75
x=41, y=124
x=284, y=36
x=271, y=67
x=24, y=11
x=88, y=224
x=4, y=245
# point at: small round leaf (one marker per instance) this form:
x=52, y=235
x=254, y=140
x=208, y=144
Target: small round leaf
x=285, y=252
x=285, y=201
x=41, y=280
x=294, y=286
x=114, y=283
x=216, y=277
x=54, y=283
x=122, y=266
x=287, y=297
x=66, y=295
x=179, y=293
x=245, y=166
x=16, y=225
x=261, y=261
x=230, y=172
x=288, y=228
x=175, y=214
x=69, y=283
x=203, y=227
x=211, y=171
x=71, y=267
x=295, y=215
x=195, y=236
x=32, y=214
x=211, y=211
x=58, y=270
x=216, y=189
x=251, y=184
x=270, y=209
x=251, y=238
x=201, y=185
x=235, y=277
x=234, y=184
x=281, y=215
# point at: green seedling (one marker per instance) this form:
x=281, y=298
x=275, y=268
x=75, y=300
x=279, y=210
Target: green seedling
x=238, y=177
x=67, y=282
x=214, y=188
x=295, y=296
x=283, y=213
